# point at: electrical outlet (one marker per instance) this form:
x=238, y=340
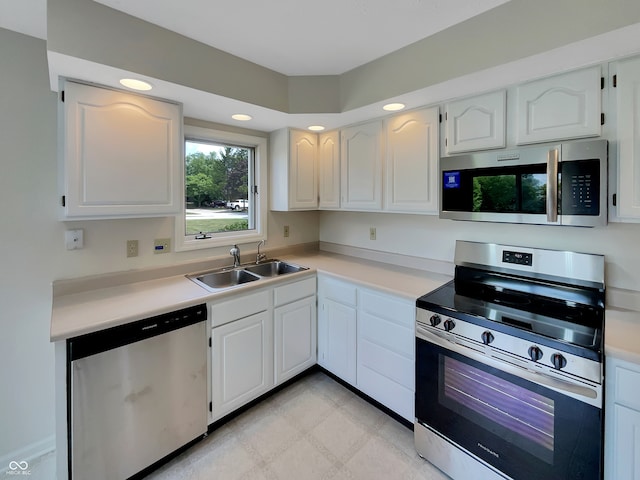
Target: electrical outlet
x=372, y=233
x=162, y=245
x=132, y=248
x=286, y=230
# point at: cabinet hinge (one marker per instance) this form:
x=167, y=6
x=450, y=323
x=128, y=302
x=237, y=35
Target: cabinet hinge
x=602, y=119
x=210, y=342
x=615, y=81
x=62, y=96
x=64, y=200
x=601, y=83
x=445, y=142
x=446, y=115
x=440, y=118
x=615, y=199
x=211, y=406
x=255, y=189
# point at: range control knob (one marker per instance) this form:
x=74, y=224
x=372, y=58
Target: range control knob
x=535, y=353
x=487, y=337
x=449, y=325
x=434, y=320
x=558, y=361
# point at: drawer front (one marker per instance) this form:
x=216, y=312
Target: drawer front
x=627, y=386
x=387, y=364
x=294, y=291
x=393, y=309
x=239, y=307
x=387, y=334
x=338, y=291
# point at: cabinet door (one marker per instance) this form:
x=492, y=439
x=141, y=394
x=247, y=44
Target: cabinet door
x=412, y=162
x=476, y=123
x=329, y=168
x=121, y=154
x=337, y=338
x=303, y=178
x=626, y=454
x=295, y=338
x=560, y=107
x=361, y=167
x=241, y=362
x=628, y=107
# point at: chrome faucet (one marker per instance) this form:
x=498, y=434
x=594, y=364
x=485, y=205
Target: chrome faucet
x=260, y=256
x=235, y=253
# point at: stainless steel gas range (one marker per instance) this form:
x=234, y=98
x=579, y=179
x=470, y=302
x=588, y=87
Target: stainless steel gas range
x=509, y=365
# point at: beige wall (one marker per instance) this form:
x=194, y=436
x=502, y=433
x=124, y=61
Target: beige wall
x=32, y=240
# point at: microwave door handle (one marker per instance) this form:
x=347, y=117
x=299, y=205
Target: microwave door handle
x=552, y=185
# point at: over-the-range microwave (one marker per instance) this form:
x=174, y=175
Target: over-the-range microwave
x=560, y=184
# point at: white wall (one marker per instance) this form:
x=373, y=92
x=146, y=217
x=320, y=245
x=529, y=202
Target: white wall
x=429, y=237
x=33, y=253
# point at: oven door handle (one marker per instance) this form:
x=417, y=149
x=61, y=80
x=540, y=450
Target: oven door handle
x=587, y=394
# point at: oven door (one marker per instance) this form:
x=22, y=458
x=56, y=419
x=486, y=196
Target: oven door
x=519, y=427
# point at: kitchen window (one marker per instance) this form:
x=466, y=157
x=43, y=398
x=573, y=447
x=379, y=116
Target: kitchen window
x=224, y=188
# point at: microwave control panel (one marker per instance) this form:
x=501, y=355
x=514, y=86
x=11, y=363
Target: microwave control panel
x=580, y=187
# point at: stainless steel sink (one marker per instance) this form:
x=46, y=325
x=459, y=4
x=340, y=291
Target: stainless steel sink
x=274, y=268
x=226, y=279
x=231, y=277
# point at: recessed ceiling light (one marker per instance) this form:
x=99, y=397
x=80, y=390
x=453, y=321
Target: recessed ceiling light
x=241, y=117
x=393, y=107
x=316, y=128
x=135, y=84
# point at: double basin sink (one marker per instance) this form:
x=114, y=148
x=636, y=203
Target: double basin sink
x=231, y=277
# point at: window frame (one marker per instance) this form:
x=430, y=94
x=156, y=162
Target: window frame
x=259, y=144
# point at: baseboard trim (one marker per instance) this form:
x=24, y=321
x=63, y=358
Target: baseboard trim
x=29, y=453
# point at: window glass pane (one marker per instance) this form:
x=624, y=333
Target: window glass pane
x=218, y=179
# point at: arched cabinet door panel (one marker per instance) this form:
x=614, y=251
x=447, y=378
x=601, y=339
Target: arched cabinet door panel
x=560, y=107
x=476, y=123
x=121, y=154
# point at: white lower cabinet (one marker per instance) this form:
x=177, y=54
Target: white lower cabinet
x=259, y=340
x=622, y=420
x=367, y=338
x=386, y=345
x=337, y=328
x=295, y=329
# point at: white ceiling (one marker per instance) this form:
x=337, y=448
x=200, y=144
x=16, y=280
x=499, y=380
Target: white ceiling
x=293, y=37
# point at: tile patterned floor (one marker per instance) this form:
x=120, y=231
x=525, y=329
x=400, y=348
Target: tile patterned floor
x=314, y=429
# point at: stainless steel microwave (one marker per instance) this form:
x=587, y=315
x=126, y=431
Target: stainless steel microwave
x=560, y=184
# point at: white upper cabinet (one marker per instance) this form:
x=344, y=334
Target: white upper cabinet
x=412, y=162
x=560, y=107
x=294, y=178
x=476, y=123
x=628, y=107
x=121, y=154
x=361, y=167
x=329, y=170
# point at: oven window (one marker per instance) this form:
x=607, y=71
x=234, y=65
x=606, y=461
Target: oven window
x=516, y=414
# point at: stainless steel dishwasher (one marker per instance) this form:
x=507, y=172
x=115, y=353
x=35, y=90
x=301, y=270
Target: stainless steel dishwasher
x=137, y=393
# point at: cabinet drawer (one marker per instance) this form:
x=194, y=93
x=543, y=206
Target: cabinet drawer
x=294, y=291
x=387, y=334
x=627, y=387
x=386, y=363
x=393, y=309
x=338, y=291
x=239, y=307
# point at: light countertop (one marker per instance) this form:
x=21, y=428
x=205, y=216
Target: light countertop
x=87, y=311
